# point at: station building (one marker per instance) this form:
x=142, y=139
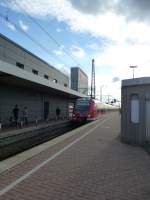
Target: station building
x=27, y=80
x=79, y=80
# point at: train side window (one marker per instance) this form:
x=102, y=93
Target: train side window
x=134, y=108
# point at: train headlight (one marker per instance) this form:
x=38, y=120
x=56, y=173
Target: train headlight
x=89, y=115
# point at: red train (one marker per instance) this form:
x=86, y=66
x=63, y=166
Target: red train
x=87, y=109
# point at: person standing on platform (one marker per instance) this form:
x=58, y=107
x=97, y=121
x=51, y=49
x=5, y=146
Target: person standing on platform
x=25, y=115
x=58, y=111
x=16, y=114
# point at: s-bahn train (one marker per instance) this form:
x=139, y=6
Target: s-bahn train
x=87, y=109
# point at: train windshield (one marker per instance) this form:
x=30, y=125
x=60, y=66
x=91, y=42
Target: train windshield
x=82, y=105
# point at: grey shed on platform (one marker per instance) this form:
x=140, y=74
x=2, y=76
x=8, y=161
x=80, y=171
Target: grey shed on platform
x=135, y=111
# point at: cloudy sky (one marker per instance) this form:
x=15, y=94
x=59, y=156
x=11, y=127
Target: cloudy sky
x=66, y=33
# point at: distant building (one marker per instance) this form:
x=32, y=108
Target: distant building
x=79, y=80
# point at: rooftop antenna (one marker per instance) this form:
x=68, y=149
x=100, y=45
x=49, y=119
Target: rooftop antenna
x=93, y=80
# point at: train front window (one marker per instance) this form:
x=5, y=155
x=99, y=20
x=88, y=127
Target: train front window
x=82, y=106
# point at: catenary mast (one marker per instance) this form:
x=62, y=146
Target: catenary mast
x=93, y=80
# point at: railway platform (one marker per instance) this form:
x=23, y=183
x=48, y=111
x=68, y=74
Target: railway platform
x=89, y=163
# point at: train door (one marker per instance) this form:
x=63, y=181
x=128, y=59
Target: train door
x=46, y=110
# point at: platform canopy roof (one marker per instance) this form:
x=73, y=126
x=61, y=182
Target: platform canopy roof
x=10, y=74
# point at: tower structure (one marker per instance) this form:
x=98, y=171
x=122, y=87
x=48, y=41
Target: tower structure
x=79, y=80
x=93, y=80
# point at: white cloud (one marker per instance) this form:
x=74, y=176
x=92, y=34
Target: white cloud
x=63, y=69
x=93, y=46
x=115, y=62
x=57, y=52
x=131, y=9
x=61, y=47
x=23, y=26
x=59, y=30
x=93, y=8
x=106, y=24
x=77, y=51
x=11, y=26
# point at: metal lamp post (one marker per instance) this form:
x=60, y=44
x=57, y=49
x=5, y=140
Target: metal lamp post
x=133, y=67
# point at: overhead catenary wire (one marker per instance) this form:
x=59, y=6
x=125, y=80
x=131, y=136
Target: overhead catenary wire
x=32, y=39
x=47, y=33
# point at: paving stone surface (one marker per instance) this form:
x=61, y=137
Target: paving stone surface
x=97, y=167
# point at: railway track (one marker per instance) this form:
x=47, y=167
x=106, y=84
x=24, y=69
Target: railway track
x=12, y=145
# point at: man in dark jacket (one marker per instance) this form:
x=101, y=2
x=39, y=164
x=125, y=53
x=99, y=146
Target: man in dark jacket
x=16, y=114
x=58, y=111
